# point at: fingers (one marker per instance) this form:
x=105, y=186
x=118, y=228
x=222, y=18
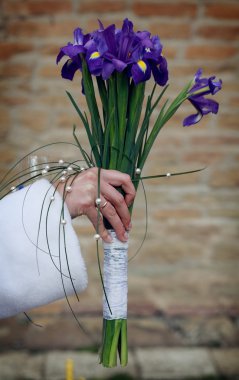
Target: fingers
x=116, y=178
x=119, y=210
x=81, y=200
x=97, y=221
x=113, y=217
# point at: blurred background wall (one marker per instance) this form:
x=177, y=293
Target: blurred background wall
x=183, y=285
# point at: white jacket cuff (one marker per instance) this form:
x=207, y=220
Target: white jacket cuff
x=40, y=258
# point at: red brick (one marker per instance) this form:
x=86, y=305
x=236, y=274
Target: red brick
x=49, y=49
x=169, y=51
x=210, y=52
x=203, y=157
x=7, y=155
x=4, y=127
x=28, y=29
x=225, y=178
x=102, y=6
x=36, y=7
x=228, y=121
x=9, y=49
x=228, y=141
x=164, y=9
x=35, y=120
x=235, y=101
x=219, y=32
x=224, y=10
x=19, y=70
x=14, y=100
x=170, y=30
x=178, y=70
x=177, y=214
x=49, y=71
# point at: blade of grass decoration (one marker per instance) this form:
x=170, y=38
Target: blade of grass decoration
x=4, y=185
x=122, y=61
x=91, y=138
x=146, y=222
x=83, y=152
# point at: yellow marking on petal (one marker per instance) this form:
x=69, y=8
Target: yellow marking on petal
x=142, y=65
x=95, y=55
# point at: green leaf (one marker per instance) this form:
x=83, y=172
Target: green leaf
x=97, y=130
x=113, y=124
x=103, y=96
x=152, y=137
x=106, y=150
x=122, y=82
x=136, y=98
x=162, y=119
x=142, y=136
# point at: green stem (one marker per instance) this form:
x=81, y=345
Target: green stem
x=124, y=344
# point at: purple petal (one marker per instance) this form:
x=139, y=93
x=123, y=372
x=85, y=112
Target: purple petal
x=214, y=86
x=109, y=36
x=69, y=68
x=99, y=42
x=95, y=66
x=101, y=26
x=145, y=40
x=203, y=106
x=143, y=35
x=78, y=36
x=140, y=71
x=192, y=119
x=107, y=70
x=125, y=40
x=160, y=71
x=127, y=26
x=60, y=55
x=137, y=54
x=119, y=65
x=151, y=54
x=198, y=75
x=157, y=44
x=73, y=50
x=210, y=85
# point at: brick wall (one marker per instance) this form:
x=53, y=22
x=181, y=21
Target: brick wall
x=184, y=283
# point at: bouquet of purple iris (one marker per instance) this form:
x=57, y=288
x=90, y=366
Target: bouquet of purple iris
x=121, y=136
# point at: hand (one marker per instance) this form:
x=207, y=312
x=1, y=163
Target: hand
x=113, y=206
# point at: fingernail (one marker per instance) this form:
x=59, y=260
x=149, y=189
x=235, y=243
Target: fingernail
x=130, y=226
x=109, y=239
x=126, y=236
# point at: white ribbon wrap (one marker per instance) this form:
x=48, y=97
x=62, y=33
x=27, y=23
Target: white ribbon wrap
x=115, y=279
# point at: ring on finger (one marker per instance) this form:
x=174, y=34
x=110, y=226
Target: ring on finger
x=106, y=202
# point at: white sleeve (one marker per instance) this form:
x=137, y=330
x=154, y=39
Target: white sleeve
x=31, y=276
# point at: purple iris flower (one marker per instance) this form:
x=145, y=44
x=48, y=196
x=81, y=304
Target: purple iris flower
x=93, y=58
x=196, y=95
x=113, y=45
x=109, y=49
x=147, y=58
x=73, y=51
x=123, y=48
